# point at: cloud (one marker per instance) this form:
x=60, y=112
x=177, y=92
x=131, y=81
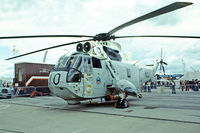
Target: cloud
x=91, y=17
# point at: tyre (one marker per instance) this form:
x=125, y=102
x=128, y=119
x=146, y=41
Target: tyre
x=124, y=103
x=117, y=104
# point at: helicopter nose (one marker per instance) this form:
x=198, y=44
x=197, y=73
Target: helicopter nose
x=66, y=84
x=57, y=78
x=57, y=83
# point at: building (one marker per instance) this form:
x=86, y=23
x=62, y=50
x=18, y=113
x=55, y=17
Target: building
x=32, y=74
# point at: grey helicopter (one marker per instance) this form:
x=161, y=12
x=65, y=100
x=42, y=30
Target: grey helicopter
x=97, y=69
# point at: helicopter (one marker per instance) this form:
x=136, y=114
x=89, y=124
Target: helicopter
x=97, y=69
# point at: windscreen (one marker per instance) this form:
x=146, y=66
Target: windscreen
x=62, y=62
x=67, y=62
x=74, y=62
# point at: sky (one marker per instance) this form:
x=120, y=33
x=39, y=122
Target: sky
x=90, y=17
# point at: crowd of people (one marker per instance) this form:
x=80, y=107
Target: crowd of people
x=194, y=85
x=184, y=85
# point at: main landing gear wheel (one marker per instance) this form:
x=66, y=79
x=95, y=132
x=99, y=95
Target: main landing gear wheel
x=121, y=103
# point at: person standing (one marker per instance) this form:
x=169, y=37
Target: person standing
x=182, y=85
x=145, y=87
x=186, y=85
x=195, y=85
x=173, y=87
x=149, y=86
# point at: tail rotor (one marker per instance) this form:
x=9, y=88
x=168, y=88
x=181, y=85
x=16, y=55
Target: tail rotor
x=162, y=63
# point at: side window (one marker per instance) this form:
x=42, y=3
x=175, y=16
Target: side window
x=96, y=62
x=128, y=72
x=89, y=65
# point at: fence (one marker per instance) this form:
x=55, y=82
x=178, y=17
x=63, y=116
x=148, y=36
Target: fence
x=31, y=91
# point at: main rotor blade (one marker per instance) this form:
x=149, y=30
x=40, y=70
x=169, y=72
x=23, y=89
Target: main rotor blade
x=48, y=48
x=163, y=10
x=159, y=36
x=43, y=36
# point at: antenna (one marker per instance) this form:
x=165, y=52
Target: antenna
x=45, y=56
x=15, y=51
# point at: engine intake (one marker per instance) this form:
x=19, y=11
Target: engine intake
x=87, y=47
x=79, y=47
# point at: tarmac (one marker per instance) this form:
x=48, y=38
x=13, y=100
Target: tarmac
x=154, y=113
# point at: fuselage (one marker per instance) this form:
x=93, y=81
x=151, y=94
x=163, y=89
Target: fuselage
x=81, y=76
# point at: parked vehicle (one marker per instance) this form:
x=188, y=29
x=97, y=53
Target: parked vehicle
x=6, y=92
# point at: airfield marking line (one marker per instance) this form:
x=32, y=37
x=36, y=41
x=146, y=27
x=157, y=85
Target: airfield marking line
x=11, y=131
x=104, y=113
x=79, y=130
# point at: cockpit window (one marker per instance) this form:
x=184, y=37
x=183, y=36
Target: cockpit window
x=71, y=62
x=74, y=62
x=78, y=63
x=65, y=63
x=112, y=53
x=62, y=61
x=87, y=66
x=74, y=75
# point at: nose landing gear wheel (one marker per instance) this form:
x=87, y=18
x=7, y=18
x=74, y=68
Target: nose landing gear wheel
x=121, y=103
x=140, y=96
